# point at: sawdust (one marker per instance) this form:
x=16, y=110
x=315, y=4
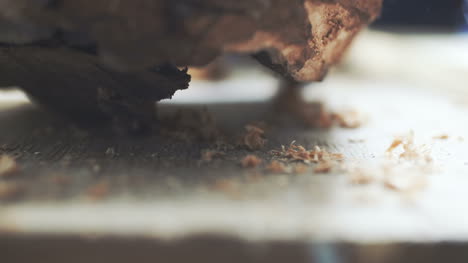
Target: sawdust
x=405, y=170
x=297, y=153
x=347, y=119
x=8, y=166
x=254, y=138
x=410, y=151
x=441, y=137
x=251, y=161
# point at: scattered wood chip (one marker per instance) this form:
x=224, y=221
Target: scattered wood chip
x=297, y=153
x=8, y=166
x=251, y=161
x=395, y=143
x=441, y=137
x=254, y=138
x=276, y=167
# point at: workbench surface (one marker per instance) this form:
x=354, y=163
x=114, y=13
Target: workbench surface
x=75, y=182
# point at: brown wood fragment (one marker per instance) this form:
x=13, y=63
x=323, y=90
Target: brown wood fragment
x=251, y=161
x=254, y=138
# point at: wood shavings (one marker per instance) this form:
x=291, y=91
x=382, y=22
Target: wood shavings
x=8, y=166
x=441, y=137
x=395, y=143
x=251, y=161
x=411, y=151
x=276, y=167
x=10, y=191
x=405, y=170
x=254, y=139
x=297, y=153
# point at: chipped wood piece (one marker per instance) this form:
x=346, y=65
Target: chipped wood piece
x=254, y=138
